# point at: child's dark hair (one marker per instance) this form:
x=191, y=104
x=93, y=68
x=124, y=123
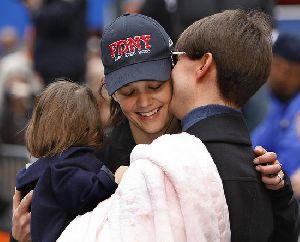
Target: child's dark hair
x=65, y=114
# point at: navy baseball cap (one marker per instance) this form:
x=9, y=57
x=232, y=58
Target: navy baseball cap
x=133, y=48
x=287, y=46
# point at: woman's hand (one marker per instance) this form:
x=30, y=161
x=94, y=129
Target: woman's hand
x=270, y=168
x=119, y=173
x=295, y=180
x=21, y=217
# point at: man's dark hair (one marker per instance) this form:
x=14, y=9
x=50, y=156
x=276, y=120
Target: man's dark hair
x=241, y=46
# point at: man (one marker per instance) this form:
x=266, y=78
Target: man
x=280, y=130
x=222, y=61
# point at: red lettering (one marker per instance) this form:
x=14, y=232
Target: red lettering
x=112, y=49
x=146, y=40
x=120, y=49
x=131, y=44
x=134, y=43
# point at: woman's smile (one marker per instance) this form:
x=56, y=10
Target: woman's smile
x=149, y=114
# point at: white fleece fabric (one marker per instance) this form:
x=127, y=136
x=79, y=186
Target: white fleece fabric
x=171, y=192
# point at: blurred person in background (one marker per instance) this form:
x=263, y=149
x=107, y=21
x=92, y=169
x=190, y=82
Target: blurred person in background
x=60, y=38
x=192, y=10
x=8, y=40
x=18, y=86
x=166, y=13
x=95, y=80
x=280, y=130
x=175, y=15
x=133, y=6
x=11, y=57
x=18, y=101
x=256, y=108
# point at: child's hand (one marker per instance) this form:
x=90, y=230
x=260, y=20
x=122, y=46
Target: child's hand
x=119, y=173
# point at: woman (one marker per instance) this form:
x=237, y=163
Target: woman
x=140, y=101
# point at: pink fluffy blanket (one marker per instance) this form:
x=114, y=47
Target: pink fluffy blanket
x=172, y=191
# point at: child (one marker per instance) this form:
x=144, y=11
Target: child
x=67, y=178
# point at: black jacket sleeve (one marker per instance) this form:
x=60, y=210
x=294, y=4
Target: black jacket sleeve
x=79, y=190
x=286, y=213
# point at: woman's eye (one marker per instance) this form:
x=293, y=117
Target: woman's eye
x=155, y=87
x=128, y=93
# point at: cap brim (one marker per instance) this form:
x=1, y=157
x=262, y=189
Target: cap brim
x=158, y=70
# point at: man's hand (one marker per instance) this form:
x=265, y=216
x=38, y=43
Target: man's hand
x=270, y=168
x=21, y=217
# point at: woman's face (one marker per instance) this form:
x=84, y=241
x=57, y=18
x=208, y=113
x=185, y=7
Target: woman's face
x=146, y=105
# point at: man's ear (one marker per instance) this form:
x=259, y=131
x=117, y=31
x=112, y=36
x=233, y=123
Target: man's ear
x=204, y=65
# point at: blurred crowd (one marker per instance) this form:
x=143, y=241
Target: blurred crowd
x=60, y=43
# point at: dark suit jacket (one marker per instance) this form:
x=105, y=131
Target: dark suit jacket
x=227, y=140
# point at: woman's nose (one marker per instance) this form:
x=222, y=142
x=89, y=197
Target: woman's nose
x=144, y=100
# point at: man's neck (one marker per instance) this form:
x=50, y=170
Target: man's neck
x=202, y=103
x=200, y=113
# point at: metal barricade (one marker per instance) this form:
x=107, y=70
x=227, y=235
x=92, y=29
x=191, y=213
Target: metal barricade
x=12, y=159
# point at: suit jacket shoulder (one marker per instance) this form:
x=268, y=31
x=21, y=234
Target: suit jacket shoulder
x=227, y=139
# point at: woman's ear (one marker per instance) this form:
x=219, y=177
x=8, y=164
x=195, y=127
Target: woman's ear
x=114, y=96
x=204, y=65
